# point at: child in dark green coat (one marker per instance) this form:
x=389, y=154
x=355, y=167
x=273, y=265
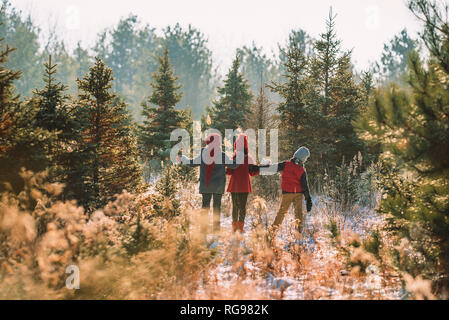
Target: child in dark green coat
x=212, y=174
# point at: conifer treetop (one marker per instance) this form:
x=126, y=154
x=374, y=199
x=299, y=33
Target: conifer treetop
x=9, y=101
x=97, y=83
x=7, y=77
x=159, y=113
x=232, y=109
x=50, y=97
x=165, y=88
x=235, y=84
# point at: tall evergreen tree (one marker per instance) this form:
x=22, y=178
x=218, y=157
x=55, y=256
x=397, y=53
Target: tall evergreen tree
x=129, y=50
x=264, y=116
x=21, y=144
x=299, y=38
x=325, y=62
x=52, y=100
x=263, y=111
x=9, y=103
x=147, y=63
x=56, y=48
x=8, y=99
x=233, y=107
x=108, y=145
x=20, y=32
x=83, y=61
x=337, y=96
x=295, y=115
x=255, y=63
x=123, y=54
x=58, y=116
x=393, y=62
x=412, y=127
x=160, y=115
x=347, y=101
x=192, y=61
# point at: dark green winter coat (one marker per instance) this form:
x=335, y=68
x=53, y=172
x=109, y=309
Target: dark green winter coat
x=217, y=182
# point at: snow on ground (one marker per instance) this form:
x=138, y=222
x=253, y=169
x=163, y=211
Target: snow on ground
x=320, y=270
x=309, y=269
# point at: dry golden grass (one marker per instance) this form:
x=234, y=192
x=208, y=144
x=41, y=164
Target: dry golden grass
x=125, y=252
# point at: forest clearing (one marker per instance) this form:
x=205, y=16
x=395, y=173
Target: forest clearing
x=99, y=203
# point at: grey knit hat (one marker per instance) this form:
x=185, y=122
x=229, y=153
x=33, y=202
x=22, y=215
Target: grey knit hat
x=302, y=154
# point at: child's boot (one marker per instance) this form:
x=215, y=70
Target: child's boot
x=241, y=227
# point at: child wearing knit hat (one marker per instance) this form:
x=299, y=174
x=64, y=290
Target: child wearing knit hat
x=295, y=187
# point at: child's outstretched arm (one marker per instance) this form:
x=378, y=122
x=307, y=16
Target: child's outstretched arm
x=277, y=167
x=272, y=169
x=305, y=188
x=196, y=162
x=230, y=163
x=255, y=170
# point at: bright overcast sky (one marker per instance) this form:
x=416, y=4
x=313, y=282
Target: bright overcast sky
x=363, y=26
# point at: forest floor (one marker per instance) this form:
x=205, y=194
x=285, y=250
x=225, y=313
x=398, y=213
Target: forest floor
x=339, y=255
x=320, y=266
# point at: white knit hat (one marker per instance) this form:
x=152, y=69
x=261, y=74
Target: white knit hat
x=302, y=154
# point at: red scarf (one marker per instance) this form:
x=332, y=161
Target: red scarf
x=210, y=167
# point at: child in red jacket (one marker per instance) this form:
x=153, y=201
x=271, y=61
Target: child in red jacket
x=294, y=187
x=240, y=183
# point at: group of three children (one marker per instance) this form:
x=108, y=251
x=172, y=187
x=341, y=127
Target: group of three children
x=213, y=180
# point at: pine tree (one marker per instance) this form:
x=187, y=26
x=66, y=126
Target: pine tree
x=21, y=145
x=337, y=99
x=412, y=126
x=9, y=103
x=233, y=108
x=160, y=116
x=192, y=60
x=58, y=116
x=8, y=100
x=347, y=101
x=263, y=111
x=294, y=114
x=122, y=56
x=371, y=151
x=264, y=117
x=108, y=145
x=187, y=174
x=83, y=61
x=254, y=63
x=165, y=203
x=299, y=38
x=325, y=62
x=52, y=114
x=393, y=62
x=65, y=120
x=20, y=32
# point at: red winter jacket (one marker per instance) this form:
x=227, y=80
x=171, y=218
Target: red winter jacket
x=291, y=178
x=294, y=178
x=240, y=181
